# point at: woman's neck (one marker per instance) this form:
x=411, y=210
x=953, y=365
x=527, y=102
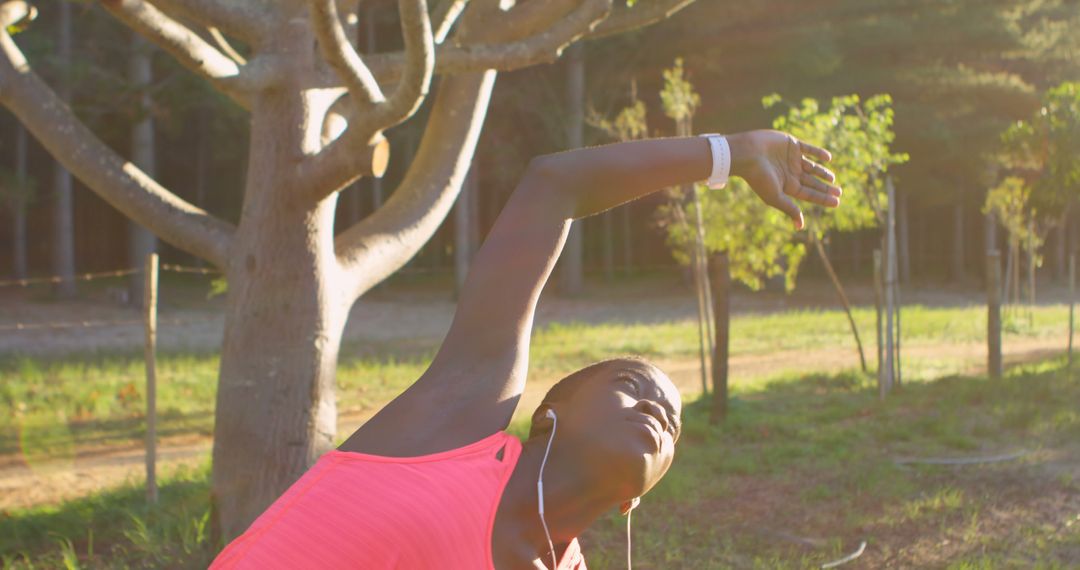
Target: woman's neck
x=572, y=499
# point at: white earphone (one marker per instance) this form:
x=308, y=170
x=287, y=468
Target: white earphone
x=550, y=414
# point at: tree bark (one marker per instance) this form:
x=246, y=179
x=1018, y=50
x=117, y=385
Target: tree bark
x=464, y=218
x=627, y=241
x=63, y=223
x=904, y=241
x=721, y=280
x=284, y=317
x=958, y=241
x=19, y=205
x=141, y=242
x=1060, y=238
x=572, y=273
x=843, y=298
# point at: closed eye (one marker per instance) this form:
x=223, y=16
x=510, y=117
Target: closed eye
x=631, y=384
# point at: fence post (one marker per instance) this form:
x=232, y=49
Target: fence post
x=879, y=300
x=150, y=314
x=721, y=299
x=993, y=313
x=1072, y=302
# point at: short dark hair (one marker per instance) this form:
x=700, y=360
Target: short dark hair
x=564, y=389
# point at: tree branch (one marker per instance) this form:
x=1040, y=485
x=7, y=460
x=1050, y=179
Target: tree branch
x=523, y=20
x=249, y=20
x=362, y=149
x=445, y=15
x=642, y=14
x=342, y=56
x=416, y=65
x=342, y=161
x=382, y=243
x=116, y=180
x=183, y=44
x=545, y=46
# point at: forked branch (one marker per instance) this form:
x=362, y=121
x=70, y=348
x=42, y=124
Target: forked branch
x=545, y=46
x=183, y=44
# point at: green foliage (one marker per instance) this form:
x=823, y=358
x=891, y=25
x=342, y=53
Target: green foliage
x=678, y=97
x=630, y=123
x=1010, y=202
x=1047, y=147
x=758, y=239
x=860, y=136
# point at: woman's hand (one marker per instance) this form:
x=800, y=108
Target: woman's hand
x=776, y=166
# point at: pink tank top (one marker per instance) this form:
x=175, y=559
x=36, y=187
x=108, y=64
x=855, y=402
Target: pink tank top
x=353, y=510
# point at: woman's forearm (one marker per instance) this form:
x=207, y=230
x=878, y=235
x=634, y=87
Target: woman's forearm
x=599, y=178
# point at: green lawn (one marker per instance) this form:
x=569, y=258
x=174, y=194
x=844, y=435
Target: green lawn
x=816, y=440
x=801, y=472
x=91, y=399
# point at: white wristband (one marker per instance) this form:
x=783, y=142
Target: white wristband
x=721, y=160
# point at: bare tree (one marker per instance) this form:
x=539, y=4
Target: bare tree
x=317, y=111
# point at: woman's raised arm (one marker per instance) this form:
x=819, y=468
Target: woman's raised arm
x=472, y=386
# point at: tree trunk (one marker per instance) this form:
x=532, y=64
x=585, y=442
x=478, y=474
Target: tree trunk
x=283, y=323
x=19, y=205
x=571, y=273
x=140, y=241
x=843, y=298
x=627, y=240
x=1061, y=237
x=63, y=223
x=889, y=362
x=609, y=245
x=1030, y=247
x=904, y=243
x=721, y=280
x=464, y=218
x=958, y=241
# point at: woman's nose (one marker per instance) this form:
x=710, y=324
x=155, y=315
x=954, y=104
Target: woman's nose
x=655, y=410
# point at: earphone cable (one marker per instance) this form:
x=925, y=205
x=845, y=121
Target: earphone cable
x=540, y=489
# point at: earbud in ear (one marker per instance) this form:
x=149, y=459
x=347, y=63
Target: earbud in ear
x=549, y=414
x=629, y=506
x=634, y=503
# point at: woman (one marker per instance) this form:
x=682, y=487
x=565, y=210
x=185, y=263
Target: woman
x=433, y=481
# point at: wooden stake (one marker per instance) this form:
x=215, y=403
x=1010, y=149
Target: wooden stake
x=890, y=288
x=150, y=313
x=721, y=279
x=1072, y=303
x=993, y=313
x=878, y=301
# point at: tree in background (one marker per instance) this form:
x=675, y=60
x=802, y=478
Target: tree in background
x=1011, y=205
x=317, y=113
x=680, y=102
x=16, y=193
x=750, y=241
x=860, y=135
x=1043, y=155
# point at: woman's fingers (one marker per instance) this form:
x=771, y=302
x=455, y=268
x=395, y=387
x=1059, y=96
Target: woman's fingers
x=811, y=167
x=817, y=191
x=788, y=206
x=816, y=152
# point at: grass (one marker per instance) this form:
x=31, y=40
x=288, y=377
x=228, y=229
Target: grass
x=100, y=397
x=800, y=472
x=803, y=442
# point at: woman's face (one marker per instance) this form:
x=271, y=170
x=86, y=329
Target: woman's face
x=626, y=420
